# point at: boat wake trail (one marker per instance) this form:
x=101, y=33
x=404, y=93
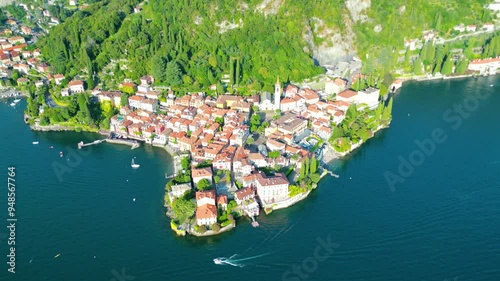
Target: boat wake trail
x=234, y=261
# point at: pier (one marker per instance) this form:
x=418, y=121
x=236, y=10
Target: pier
x=254, y=222
x=81, y=144
x=133, y=143
x=332, y=174
x=325, y=170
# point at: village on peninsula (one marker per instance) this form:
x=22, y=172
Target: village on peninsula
x=234, y=154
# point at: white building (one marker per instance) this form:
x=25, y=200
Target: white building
x=277, y=94
x=179, y=190
x=135, y=101
x=486, y=66
x=369, y=96
x=149, y=105
x=201, y=173
x=76, y=86
x=272, y=189
x=489, y=27
x=265, y=102
x=65, y=92
x=288, y=104
x=335, y=86
x=205, y=197
x=206, y=211
x=470, y=28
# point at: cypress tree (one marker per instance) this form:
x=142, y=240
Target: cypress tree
x=314, y=165
x=306, y=165
x=417, y=66
x=387, y=114
x=237, y=71
x=447, y=66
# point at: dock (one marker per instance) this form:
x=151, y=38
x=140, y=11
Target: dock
x=254, y=222
x=82, y=144
x=325, y=170
x=332, y=174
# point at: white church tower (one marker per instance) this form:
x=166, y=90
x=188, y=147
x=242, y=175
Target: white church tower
x=277, y=94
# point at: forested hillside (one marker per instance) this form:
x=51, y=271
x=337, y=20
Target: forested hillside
x=194, y=42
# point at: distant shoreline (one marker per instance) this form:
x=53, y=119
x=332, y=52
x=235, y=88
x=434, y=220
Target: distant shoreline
x=442, y=77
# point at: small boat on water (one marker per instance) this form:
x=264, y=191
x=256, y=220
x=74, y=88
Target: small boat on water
x=17, y=100
x=61, y=154
x=56, y=256
x=51, y=146
x=12, y=104
x=35, y=142
x=133, y=165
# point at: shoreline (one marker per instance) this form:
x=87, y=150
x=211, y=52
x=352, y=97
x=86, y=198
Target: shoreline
x=429, y=77
x=329, y=155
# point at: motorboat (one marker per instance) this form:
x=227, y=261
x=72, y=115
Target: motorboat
x=133, y=165
x=35, y=142
x=219, y=260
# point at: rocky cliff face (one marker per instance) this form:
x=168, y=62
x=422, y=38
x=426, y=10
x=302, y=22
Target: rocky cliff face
x=336, y=45
x=6, y=2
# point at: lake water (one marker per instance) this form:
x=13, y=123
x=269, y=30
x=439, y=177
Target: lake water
x=436, y=219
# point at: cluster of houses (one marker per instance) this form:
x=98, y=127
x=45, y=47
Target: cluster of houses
x=267, y=189
x=46, y=17
x=215, y=130
x=13, y=55
x=487, y=27
x=433, y=36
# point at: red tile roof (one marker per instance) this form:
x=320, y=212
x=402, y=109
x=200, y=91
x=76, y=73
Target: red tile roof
x=206, y=211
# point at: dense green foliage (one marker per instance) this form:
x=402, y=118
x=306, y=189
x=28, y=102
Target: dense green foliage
x=406, y=19
x=308, y=176
x=204, y=184
x=359, y=125
x=181, y=45
x=184, y=208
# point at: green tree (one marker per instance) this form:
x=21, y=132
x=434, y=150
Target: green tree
x=216, y=179
x=387, y=114
x=219, y=120
x=447, y=66
x=250, y=140
x=124, y=99
x=158, y=68
x=204, y=184
x=314, y=165
x=462, y=66
x=254, y=122
x=274, y=154
x=306, y=165
x=215, y=227
x=183, y=209
x=417, y=66
x=220, y=88
x=202, y=229
x=173, y=74
x=438, y=22
x=185, y=163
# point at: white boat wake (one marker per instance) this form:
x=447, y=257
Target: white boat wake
x=233, y=261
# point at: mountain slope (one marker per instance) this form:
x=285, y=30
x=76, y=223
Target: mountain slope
x=194, y=42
